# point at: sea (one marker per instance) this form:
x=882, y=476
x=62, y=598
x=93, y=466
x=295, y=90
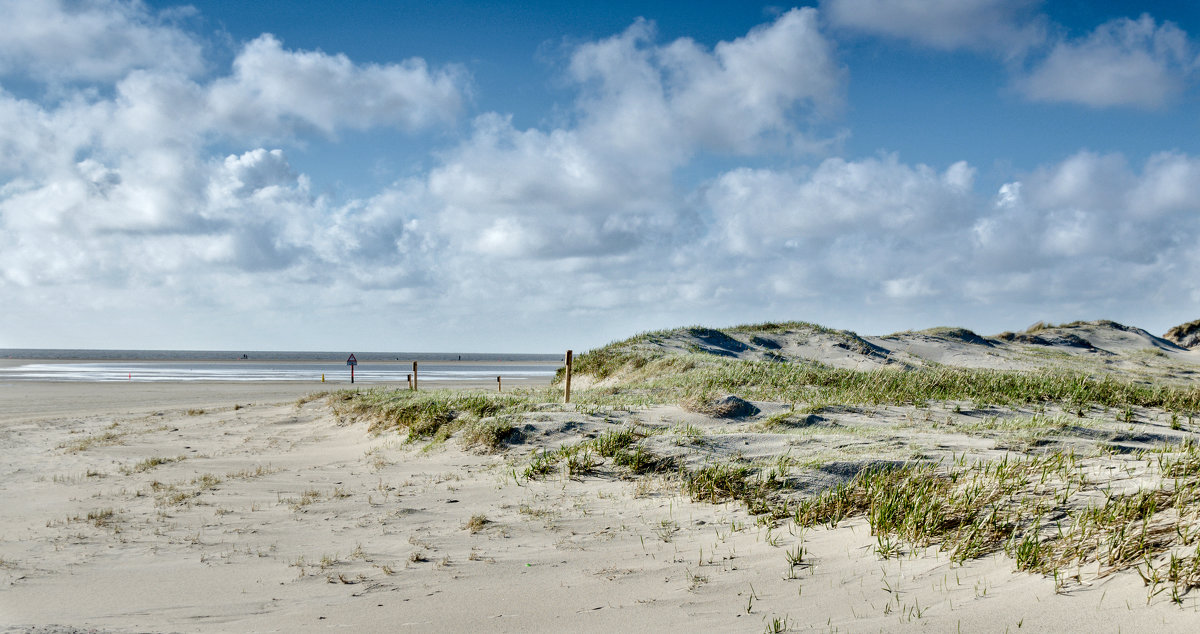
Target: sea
x=28, y=364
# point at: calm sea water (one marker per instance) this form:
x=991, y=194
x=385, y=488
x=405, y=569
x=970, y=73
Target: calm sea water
x=208, y=365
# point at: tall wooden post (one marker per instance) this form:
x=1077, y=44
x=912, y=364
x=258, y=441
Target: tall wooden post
x=568, y=388
x=414, y=376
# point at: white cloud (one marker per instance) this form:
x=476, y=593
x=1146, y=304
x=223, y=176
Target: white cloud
x=510, y=192
x=1006, y=27
x=94, y=40
x=1092, y=213
x=1122, y=63
x=743, y=93
x=604, y=186
x=273, y=90
x=741, y=97
x=759, y=212
x=123, y=180
x=1170, y=184
x=1089, y=234
x=1084, y=180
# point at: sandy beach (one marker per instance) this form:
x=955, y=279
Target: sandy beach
x=252, y=507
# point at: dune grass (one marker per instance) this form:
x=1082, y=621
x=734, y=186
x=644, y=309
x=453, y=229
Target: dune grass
x=432, y=415
x=671, y=378
x=617, y=446
x=1044, y=511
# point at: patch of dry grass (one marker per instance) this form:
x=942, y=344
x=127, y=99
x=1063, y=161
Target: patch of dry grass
x=476, y=523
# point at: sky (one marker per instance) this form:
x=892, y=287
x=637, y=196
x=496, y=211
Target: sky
x=537, y=176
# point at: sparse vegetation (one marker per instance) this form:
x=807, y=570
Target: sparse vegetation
x=83, y=444
x=431, y=415
x=150, y=463
x=489, y=434
x=585, y=456
x=476, y=523
x=1039, y=510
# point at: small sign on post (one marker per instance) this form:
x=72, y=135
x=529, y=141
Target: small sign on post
x=351, y=362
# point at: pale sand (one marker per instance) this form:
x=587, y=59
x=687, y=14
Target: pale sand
x=280, y=518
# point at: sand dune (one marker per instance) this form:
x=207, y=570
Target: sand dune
x=238, y=508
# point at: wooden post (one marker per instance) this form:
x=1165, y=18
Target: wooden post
x=568, y=388
x=410, y=380
x=498, y=385
x=414, y=385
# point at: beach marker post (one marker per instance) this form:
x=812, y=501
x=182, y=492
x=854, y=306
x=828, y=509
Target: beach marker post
x=498, y=385
x=414, y=376
x=567, y=398
x=351, y=362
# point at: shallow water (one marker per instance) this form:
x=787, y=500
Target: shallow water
x=277, y=371
x=250, y=371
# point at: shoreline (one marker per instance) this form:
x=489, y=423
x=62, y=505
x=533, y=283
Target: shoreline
x=8, y=364
x=26, y=400
x=71, y=355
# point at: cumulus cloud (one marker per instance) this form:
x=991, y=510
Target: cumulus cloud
x=96, y=40
x=757, y=212
x=740, y=97
x=604, y=185
x=533, y=193
x=847, y=228
x=1090, y=233
x=1049, y=242
x=1000, y=26
x=272, y=89
x=1122, y=62
x=119, y=187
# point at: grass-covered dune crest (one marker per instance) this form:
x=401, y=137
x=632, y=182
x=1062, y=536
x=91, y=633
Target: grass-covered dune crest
x=1077, y=364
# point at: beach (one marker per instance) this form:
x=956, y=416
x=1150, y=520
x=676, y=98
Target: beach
x=271, y=507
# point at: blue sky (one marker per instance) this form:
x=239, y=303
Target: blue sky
x=495, y=177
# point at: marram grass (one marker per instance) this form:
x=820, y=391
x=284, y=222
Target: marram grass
x=1043, y=511
x=430, y=415
x=676, y=377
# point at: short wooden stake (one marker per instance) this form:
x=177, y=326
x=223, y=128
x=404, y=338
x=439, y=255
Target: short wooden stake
x=414, y=384
x=568, y=388
x=410, y=380
x=498, y=385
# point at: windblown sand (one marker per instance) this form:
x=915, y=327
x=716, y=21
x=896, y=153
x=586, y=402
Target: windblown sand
x=222, y=507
